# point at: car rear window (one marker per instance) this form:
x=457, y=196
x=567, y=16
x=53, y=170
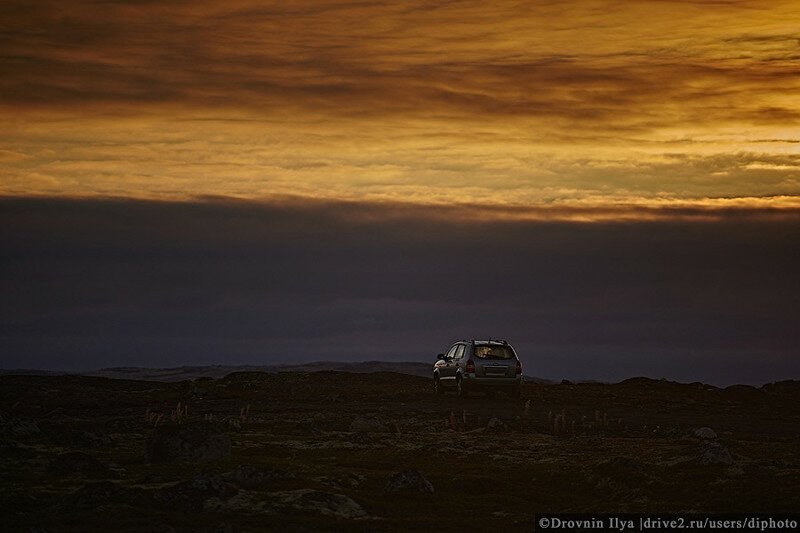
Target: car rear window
x=484, y=351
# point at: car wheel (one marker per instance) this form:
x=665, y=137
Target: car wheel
x=461, y=390
x=437, y=387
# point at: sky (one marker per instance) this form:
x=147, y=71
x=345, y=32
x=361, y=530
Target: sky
x=625, y=175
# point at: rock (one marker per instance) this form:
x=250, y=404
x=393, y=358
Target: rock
x=190, y=495
x=713, y=453
x=619, y=472
x=408, y=481
x=368, y=425
x=316, y=501
x=200, y=444
x=496, y=425
x=93, y=495
x=787, y=387
x=361, y=437
x=743, y=390
x=254, y=477
x=623, y=464
x=310, y=428
x=319, y=423
x=734, y=471
x=705, y=433
x=93, y=439
x=79, y=463
x=348, y=481
x=241, y=502
x=304, y=501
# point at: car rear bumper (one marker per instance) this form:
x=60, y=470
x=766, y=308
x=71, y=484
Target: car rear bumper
x=500, y=382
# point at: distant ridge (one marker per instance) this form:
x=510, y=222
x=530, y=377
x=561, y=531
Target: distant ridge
x=219, y=371
x=181, y=373
x=414, y=368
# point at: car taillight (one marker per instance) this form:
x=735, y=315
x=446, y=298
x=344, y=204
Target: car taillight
x=519, y=366
x=470, y=366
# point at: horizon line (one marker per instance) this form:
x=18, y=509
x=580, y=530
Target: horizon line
x=622, y=210
x=550, y=381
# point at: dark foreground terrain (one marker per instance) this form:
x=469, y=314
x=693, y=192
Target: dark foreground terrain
x=364, y=452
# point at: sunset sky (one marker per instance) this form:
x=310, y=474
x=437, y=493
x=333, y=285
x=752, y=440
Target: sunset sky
x=526, y=103
x=656, y=127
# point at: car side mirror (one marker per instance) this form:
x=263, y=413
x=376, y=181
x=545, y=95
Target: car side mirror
x=440, y=357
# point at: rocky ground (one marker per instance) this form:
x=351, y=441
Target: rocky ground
x=365, y=452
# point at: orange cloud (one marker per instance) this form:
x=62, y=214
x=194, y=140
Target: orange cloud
x=525, y=105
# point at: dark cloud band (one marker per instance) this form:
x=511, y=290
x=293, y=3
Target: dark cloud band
x=99, y=283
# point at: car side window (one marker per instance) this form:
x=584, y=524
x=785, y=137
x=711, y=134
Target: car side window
x=459, y=351
x=451, y=352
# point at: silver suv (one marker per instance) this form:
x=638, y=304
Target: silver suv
x=473, y=365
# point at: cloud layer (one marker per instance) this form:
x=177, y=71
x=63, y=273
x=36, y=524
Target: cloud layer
x=523, y=103
x=101, y=283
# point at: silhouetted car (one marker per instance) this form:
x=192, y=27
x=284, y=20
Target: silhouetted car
x=473, y=365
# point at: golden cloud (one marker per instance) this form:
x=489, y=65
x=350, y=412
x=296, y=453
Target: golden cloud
x=519, y=104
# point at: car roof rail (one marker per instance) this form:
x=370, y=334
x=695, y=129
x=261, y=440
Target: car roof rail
x=504, y=342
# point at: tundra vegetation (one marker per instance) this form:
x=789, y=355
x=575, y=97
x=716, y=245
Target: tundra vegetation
x=256, y=451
